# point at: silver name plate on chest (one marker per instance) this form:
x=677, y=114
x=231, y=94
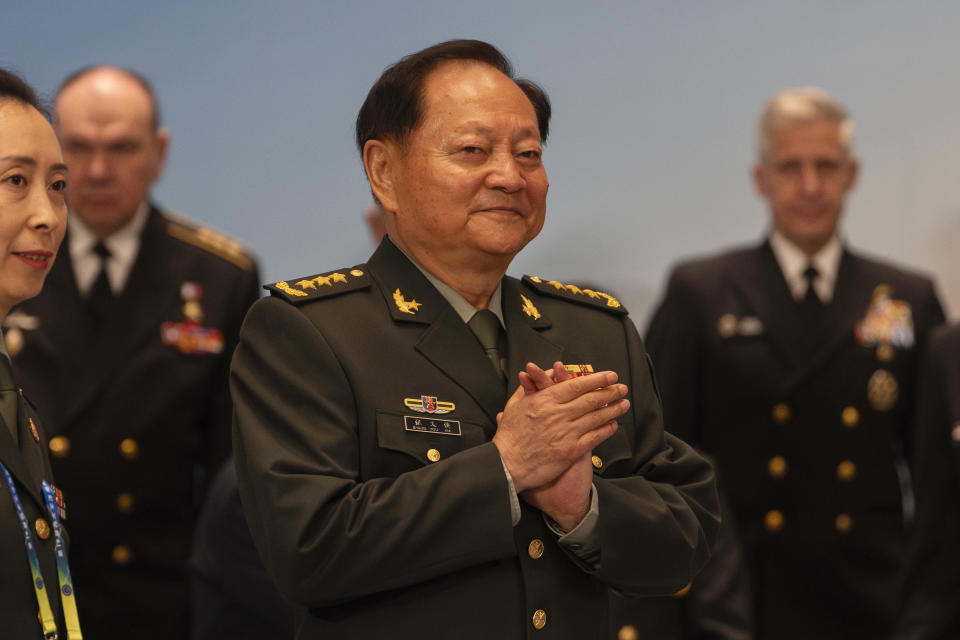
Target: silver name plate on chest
x=432, y=425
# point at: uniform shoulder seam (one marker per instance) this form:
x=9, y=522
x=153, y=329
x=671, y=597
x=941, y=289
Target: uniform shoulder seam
x=210, y=240
x=574, y=293
x=322, y=285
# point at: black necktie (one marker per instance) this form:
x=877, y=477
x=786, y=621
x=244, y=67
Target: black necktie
x=9, y=404
x=811, y=300
x=100, y=298
x=486, y=326
x=811, y=310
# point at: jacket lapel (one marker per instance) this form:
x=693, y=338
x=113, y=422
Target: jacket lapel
x=447, y=342
x=851, y=297
x=19, y=461
x=525, y=343
x=759, y=285
x=149, y=290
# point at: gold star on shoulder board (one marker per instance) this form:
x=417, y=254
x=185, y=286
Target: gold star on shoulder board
x=405, y=306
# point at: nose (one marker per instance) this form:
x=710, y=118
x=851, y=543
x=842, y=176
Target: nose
x=504, y=174
x=810, y=180
x=47, y=209
x=98, y=166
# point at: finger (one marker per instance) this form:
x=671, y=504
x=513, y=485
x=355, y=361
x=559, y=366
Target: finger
x=529, y=386
x=591, y=439
x=599, y=416
x=560, y=372
x=576, y=387
x=539, y=377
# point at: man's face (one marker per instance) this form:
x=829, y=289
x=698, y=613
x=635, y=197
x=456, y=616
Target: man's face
x=805, y=177
x=468, y=188
x=105, y=125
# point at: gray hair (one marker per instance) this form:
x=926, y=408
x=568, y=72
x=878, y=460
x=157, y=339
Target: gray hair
x=802, y=105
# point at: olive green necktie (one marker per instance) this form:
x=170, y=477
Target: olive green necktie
x=486, y=326
x=9, y=403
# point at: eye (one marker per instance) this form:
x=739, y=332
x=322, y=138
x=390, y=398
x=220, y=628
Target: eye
x=533, y=154
x=17, y=180
x=471, y=149
x=59, y=185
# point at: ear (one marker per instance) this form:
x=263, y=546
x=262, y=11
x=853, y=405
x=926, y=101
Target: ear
x=760, y=179
x=163, y=143
x=853, y=170
x=380, y=160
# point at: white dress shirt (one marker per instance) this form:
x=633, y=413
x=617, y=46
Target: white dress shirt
x=123, y=246
x=793, y=262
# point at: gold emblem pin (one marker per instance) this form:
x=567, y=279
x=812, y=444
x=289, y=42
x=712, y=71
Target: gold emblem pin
x=882, y=390
x=286, y=288
x=528, y=308
x=405, y=306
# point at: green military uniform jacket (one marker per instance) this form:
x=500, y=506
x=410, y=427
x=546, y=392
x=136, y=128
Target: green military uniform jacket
x=29, y=466
x=378, y=525
x=810, y=442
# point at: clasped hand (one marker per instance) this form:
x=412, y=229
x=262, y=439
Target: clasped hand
x=547, y=431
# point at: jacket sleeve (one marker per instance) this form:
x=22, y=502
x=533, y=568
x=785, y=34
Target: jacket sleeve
x=326, y=536
x=657, y=526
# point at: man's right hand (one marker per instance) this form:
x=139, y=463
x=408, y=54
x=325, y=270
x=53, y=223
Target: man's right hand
x=543, y=433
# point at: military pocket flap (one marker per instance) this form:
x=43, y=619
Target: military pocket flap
x=427, y=438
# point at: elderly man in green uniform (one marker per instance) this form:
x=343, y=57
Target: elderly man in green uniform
x=398, y=480
x=793, y=362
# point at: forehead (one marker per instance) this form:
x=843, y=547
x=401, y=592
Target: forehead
x=819, y=137
x=104, y=102
x=461, y=93
x=26, y=133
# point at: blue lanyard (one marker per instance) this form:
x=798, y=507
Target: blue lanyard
x=63, y=570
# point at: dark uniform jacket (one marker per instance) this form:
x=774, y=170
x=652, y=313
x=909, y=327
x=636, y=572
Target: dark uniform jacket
x=932, y=609
x=382, y=519
x=138, y=412
x=806, y=419
x=29, y=465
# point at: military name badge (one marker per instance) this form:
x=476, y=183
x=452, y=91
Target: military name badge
x=439, y=426
x=887, y=323
x=577, y=370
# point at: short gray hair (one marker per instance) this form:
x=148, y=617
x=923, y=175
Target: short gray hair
x=802, y=105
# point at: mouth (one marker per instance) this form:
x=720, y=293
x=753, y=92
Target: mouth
x=502, y=210
x=35, y=259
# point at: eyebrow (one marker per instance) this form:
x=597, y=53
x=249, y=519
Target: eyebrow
x=30, y=161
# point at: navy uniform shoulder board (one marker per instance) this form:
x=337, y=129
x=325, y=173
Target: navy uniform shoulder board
x=210, y=240
x=589, y=297
x=324, y=285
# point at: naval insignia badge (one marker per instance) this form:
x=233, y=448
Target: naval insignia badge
x=882, y=390
x=428, y=404
x=886, y=322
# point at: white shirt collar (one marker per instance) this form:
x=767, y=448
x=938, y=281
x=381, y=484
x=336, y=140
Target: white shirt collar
x=793, y=262
x=124, y=245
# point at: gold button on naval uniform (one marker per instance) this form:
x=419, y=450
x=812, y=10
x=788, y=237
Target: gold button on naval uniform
x=781, y=413
x=539, y=619
x=777, y=467
x=121, y=554
x=597, y=461
x=356, y=273
x=535, y=548
x=884, y=353
x=42, y=528
x=59, y=446
x=850, y=417
x=129, y=448
x=843, y=523
x=846, y=471
x=628, y=632
x=125, y=503
x=773, y=520
x=433, y=455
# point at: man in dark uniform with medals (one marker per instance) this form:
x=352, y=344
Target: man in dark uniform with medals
x=793, y=364
x=397, y=479
x=127, y=355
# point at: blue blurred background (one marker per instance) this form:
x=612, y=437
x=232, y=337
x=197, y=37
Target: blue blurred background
x=651, y=142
